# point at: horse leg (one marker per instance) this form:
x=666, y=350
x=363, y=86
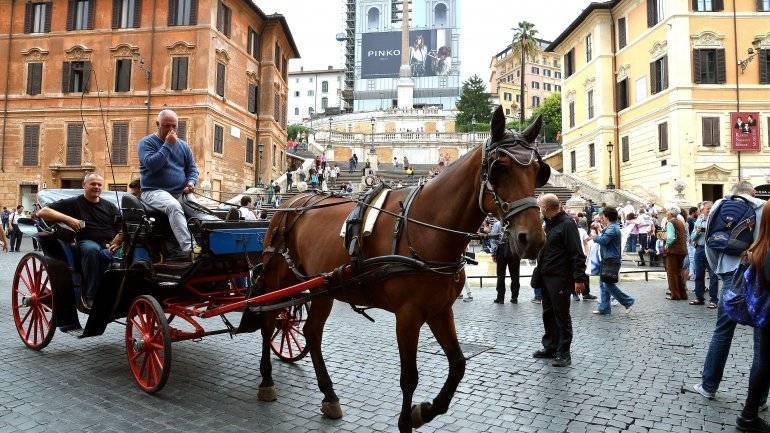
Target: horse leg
x=319, y=311
x=443, y=328
x=267, y=390
x=407, y=333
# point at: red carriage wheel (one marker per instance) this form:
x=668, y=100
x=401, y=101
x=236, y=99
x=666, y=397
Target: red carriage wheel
x=32, y=302
x=148, y=344
x=288, y=341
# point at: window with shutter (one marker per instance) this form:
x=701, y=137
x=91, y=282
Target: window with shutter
x=589, y=47
x=659, y=75
x=120, y=143
x=721, y=66
x=569, y=63
x=74, y=144
x=591, y=155
x=590, y=99
x=621, y=33
x=80, y=15
x=764, y=66
x=571, y=114
x=277, y=56
x=710, y=131
x=625, y=151
x=179, y=73
x=763, y=5
x=34, y=78
x=663, y=137
x=252, y=97
x=277, y=108
x=224, y=19
x=31, y=145
x=709, y=66
x=75, y=76
x=181, y=129
x=572, y=162
x=37, y=18
x=126, y=14
x=622, y=95
x=221, y=79
x=219, y=135
x=123, y=75
x=253, y=43
x=182, y=12
x=249, y=151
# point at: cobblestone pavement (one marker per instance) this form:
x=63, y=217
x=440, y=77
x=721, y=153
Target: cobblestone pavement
x=626, y=376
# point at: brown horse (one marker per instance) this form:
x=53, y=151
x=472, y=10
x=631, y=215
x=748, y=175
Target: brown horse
x=458, y=199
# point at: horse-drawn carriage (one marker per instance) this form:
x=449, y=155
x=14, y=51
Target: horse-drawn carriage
x=161, y=302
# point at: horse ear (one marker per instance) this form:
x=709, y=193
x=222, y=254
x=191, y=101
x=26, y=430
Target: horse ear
x=533, y=130
x=498, y=124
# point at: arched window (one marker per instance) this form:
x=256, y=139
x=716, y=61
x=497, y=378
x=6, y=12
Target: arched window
x=324, y=86
x=296, y=111
x=440, y=15
x=324, y=103
x=373, y=19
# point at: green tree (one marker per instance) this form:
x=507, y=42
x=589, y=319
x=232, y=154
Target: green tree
x=524, y=46
x=474, y=107
x=550, y=109
x=295, y=129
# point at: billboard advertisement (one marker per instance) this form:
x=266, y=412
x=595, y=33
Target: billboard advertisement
x=430, y=53
x=744, y=130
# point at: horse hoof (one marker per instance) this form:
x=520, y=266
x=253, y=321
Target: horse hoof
x=267, y=393
x=417, y=421
x=331, y=410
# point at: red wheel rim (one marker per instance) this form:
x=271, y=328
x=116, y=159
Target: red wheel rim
x=32, y=303
x=148, y=345
x=288, y=341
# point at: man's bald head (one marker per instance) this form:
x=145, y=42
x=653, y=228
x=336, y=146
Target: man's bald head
x=549, y=202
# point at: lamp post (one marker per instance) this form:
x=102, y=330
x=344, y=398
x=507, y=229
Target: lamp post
x=610, y=185
x=329, y=143
x=371, y=149
x=260, y=148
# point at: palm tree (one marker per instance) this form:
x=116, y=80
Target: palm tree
x=524, y=46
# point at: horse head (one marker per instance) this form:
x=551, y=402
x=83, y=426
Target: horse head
x=511, y=170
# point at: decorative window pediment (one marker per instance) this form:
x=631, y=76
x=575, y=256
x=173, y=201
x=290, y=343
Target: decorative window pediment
x=252, y=76
x=571, y=96
x=223, y=56
x=764, y=41
x=77, y=53
x=658, y=50
x=124, y=50
x=35, y=55
x=707, y=39
x=712, y=172
x=589, y=83
x=180, y=48
x=622, y=72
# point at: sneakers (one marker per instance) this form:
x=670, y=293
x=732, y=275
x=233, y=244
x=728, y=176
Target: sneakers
x=562, y=361
x=754, y=425
x=543, y=354
x=698, y=387
x=498, y=301
x=536, y=301
x=589, y=297
x=599, y=313
x=697, y=302
x=711, y=305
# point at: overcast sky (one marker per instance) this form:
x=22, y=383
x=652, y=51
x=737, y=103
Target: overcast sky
x=485, y=28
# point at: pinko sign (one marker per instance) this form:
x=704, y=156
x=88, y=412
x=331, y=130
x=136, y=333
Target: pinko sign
x=744, y=130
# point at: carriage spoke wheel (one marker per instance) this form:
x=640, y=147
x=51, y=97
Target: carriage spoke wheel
x=32, y=302
x=148, y=344
x=288, y=341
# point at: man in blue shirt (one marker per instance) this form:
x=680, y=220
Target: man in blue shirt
x=167, y=170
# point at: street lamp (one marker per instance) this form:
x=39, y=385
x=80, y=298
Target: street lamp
x=371, y=149
x=260, y=148
x=751, y=52
x=329, y=144
x=610, y=185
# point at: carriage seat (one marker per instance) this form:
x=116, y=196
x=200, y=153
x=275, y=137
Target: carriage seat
x=134, y=209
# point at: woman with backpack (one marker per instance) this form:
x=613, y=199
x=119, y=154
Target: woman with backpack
x=759, y=259
x=676, y=250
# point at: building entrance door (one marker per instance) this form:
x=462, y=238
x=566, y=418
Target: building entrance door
x=712, y=192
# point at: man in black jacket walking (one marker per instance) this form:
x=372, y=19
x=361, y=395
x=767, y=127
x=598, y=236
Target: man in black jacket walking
x=561, y=267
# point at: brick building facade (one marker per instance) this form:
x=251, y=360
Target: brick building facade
x=81, y=74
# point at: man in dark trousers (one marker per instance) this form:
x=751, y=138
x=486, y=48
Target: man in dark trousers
x=561, y=269
x=505, y=259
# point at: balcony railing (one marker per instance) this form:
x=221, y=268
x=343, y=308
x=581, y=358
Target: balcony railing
x=343, y=138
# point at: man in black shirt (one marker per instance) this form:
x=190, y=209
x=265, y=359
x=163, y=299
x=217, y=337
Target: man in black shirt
x=561, y=269
x=94, y=221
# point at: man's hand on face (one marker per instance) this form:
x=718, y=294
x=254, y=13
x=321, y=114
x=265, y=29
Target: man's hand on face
x=171, y=137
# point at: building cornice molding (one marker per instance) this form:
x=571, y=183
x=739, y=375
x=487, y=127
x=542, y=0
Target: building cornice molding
x=708, y=39
x=78, y=52
x=35, y=54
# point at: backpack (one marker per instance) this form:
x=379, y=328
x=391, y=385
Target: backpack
x=747, y=302
x=730, y=230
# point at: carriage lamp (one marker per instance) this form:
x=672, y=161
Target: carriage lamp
x=610, y=185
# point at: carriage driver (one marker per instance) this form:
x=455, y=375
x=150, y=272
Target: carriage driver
x=94, y=221
x=167, y=170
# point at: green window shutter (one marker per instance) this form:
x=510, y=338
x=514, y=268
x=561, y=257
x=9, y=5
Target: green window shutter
x=696, y=66
x=66, y=71
x=721, y=66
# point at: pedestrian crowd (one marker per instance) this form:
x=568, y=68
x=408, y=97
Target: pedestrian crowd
x=729, y=240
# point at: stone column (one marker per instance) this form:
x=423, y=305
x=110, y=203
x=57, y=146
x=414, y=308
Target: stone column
x=405, y=84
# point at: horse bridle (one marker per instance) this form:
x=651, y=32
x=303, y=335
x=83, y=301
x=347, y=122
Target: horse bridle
x=490, y=155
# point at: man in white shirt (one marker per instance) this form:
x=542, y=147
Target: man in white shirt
x=245, y=211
